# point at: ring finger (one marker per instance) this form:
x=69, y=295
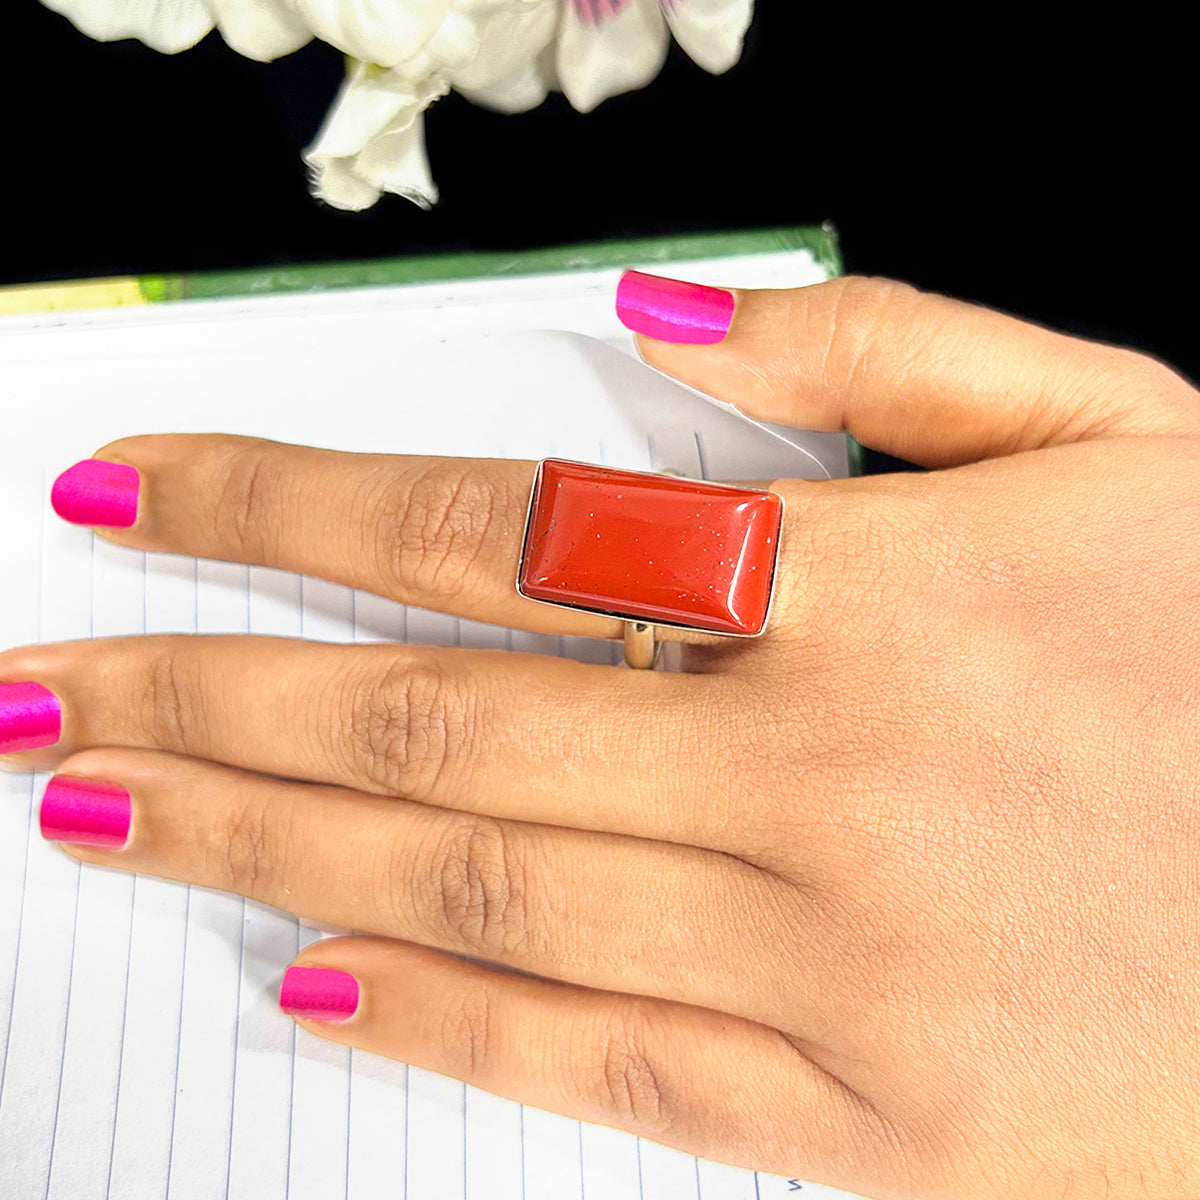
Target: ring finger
x=607, y=912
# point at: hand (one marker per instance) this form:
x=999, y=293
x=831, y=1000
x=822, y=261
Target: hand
x=903, y=897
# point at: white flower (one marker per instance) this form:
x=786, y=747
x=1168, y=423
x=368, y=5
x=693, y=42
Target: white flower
x=505, y=54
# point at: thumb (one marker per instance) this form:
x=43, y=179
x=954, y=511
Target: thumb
x=919, y=376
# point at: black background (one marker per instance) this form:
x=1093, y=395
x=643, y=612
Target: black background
x=1044, y=171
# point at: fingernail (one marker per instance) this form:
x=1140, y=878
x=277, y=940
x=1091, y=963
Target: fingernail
x=85, y=812
x=673, y=311
x=319, y=994
x=30, y=717
x=95, y=492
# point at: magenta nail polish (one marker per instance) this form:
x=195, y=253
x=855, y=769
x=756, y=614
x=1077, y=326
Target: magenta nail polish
x=673, y=311
x=319, y=994
x=95, y=492
x=30, y=717
x=85, y=812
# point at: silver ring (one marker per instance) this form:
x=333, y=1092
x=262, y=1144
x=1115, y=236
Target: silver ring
x=641, y=646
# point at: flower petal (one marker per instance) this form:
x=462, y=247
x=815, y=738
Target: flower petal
x=373, y=140
x=387, y=32
x=164, y=25
x=397, y=163
x=525, y=87
x=263, y=30
x=711, y=31
x=598, y=58
x=514, y=66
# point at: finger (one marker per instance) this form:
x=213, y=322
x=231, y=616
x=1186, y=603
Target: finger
x=928, y=379
x=588, y=908
x=440, y=533
x=692, y=1078
x=525, y=736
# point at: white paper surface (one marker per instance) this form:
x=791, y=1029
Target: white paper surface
x=142, y=1053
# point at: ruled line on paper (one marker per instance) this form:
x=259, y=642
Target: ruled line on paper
x=16, y=957
x=26, y=566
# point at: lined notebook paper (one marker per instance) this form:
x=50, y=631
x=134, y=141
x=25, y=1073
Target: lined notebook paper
x=142, y=1053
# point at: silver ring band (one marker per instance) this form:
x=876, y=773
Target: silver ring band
x=641, y=646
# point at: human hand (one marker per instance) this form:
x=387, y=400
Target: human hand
x=903, y=896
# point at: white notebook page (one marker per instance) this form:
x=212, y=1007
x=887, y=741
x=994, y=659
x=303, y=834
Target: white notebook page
x=142, y=1053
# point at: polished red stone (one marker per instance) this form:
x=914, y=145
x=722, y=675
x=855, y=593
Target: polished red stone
x=650, y=547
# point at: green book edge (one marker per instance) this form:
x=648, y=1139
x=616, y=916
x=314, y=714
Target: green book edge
x=819, y=240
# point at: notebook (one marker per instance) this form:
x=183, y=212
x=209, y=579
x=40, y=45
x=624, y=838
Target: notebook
x=142, y=1053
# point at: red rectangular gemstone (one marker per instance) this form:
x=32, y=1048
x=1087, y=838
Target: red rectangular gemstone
x=651, y=547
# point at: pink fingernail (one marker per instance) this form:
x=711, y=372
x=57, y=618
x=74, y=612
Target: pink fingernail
x=319, y=994
x=30, y=717
x=673, y=311
x=85, y=812
x=95, y=492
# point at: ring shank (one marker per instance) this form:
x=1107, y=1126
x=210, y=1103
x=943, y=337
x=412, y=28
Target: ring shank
x=641, y=646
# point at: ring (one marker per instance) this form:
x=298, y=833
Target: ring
x=651, y=550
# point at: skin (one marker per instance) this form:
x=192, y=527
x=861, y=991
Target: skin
x=903, y=897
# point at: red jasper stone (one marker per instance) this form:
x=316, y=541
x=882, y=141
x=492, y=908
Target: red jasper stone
x=650, y=547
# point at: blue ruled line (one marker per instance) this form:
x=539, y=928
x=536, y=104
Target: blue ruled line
x=116, y=1110
x=349, y=1098
x=62, y=1062
x=287, y=1175
x=407, y=1104
x=237, y=1027
x=112, y=1145
x=17, y=957
x=29, y=824
x=187, y=914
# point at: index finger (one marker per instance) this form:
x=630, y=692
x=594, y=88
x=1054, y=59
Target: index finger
x=446, y=533
x=440, y=533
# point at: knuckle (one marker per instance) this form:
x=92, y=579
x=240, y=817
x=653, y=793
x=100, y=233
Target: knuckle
x=478, y=882
x=243, y=517
x=631, y=1080
x=873, y=539
x=467, y=1032
x=171, y=715
x=409, y=726
x=849, y=533
x=247, y=854
x=435, y=526
x=1144, y=384
x=864, y=318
